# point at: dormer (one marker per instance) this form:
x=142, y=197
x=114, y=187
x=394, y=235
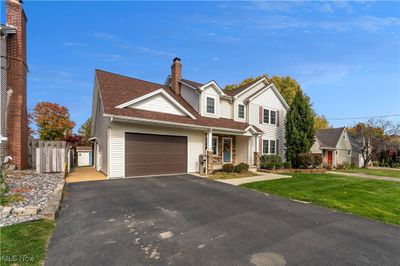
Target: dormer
x=210, y=99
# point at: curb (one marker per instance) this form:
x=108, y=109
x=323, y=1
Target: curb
x=50, y=213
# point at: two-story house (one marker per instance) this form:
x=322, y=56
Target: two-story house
x=143, y=128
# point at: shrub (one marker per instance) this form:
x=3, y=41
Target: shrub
x=268, y=165
x=228, y=167
x=340, y=166
x=386, y=165
x=271, y=158
x=305, y=160
x=395, y=165
x=317, y=157
x=278, y=165
x=287, y=165
x=242, y=168
x=375, y=163
x=346, y=165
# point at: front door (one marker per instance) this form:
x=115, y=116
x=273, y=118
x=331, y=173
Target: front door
x=330, y=157
x=227, y=150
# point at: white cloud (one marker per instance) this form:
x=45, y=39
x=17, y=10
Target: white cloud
x=69, y=43
x=154, y=52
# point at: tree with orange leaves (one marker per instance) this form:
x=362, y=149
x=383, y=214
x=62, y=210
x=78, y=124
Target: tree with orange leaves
x=52, y=120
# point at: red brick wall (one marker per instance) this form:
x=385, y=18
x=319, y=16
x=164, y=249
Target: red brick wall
x=17, y=121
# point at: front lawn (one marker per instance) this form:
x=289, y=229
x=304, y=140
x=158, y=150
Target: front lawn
x=377, y=172
x=225, y=175
x=25, y=243
x=375, y=199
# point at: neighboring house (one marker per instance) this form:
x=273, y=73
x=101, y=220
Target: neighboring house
x=334, y=145
x=143, y=128
x=85, y=155
x=13, y=106
x=356, y=155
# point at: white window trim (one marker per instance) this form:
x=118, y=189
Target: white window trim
x=271, y=146
x=244, y=111
x=262, y=147
x=215, y=104
x=216, y=150
x=230, y=160
x=270, y=117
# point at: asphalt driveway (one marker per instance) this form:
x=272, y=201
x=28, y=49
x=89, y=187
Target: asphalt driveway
x=186, y=220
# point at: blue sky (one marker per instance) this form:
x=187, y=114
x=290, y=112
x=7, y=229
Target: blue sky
x=345, y=55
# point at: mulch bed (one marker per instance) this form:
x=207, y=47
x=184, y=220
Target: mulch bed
x=287, y=171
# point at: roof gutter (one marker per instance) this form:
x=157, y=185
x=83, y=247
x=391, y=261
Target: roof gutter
x=130, y=119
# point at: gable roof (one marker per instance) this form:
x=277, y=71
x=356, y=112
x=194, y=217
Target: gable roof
x=329, y=137
x=241, y=88
x=116, y=90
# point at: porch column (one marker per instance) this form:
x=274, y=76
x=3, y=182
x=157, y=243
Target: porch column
x=257, y=150
x=209, y=152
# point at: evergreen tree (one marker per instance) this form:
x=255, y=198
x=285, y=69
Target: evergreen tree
x=300, y=132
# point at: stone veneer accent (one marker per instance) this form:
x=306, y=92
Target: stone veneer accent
x=257, y=158
x=217, y=159
x=209, y=162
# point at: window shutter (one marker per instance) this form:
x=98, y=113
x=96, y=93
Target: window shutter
x=277, y=146
x=261, y=114
x=277, y=118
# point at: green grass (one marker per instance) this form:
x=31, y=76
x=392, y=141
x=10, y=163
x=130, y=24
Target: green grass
x=225, y=175
x=375, y=199
x=25, y=243
x=377, y=172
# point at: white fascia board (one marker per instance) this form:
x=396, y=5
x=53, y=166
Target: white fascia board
x=250, y=87
x=151, y=121
x=214, y=84
x=149, y=95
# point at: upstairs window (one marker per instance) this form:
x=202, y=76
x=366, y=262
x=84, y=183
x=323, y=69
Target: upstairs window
x=266, y=116
x=348, y=152
x=272, y=145
x=273, y=117
x=210, y=105
x=241, y=111
x=265, y=146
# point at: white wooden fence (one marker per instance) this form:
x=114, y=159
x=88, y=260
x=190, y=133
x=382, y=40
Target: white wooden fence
x=49, y=156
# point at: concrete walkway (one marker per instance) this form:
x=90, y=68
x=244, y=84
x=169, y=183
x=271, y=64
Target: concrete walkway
x=244, y=180
x=384, y=168
x=385, y=178
x=82, y=174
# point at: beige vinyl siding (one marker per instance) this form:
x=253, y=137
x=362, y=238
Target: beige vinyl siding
x=226, y=109
x=315, y=148
x=3, y=95
x=342, y=147
x=269, y=100
x=242, y=150
x=252, y=90
x=190, y=96
x=209, y=92
x=101, y=125
x=117, y=141
x=158, y=103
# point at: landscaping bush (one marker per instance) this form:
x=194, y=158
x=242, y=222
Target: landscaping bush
x=287, y=165
x=386, y=165
x=271, y=158
x=395, y=165
x=317, y=157
x=340, y=166
x=375, y=163
x=346, y=165
x=228, y=167
x=278, y=165
x=242, y=168
x=268, y=165
x=305, y=160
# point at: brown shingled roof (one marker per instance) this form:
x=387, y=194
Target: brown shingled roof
x=192, y=83
x=241, y=88
x=116, y=89
x=329, y=137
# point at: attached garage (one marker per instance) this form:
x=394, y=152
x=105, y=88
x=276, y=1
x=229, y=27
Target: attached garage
x=149, y=154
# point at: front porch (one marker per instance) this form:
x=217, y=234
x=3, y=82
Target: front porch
x=228, y=148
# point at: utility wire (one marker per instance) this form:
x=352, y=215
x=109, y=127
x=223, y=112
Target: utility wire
x=363, y=117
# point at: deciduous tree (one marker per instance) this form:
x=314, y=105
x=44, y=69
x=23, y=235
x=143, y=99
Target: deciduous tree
x=52, y=120
x=84, y=130
x=320, y=122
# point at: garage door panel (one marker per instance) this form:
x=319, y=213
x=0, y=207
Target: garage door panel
x=147, y=154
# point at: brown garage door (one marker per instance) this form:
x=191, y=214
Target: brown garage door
x=147, y=154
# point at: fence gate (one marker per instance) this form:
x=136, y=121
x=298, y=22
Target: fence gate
x=48, y=156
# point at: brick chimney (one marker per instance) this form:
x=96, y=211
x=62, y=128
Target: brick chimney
x=17, y=120
x=176, y=75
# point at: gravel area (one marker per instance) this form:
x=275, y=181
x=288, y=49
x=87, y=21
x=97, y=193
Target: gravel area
x=36, y=189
